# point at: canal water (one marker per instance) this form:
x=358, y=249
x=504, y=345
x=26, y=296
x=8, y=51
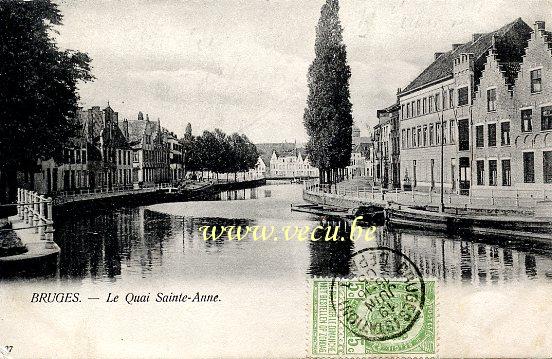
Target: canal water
x=489, y=293
x=165, y=241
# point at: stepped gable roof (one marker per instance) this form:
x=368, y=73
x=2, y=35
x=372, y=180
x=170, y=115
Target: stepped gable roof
x=281, y=149
x=136, y=130
x=511, y=40
x=117, y=137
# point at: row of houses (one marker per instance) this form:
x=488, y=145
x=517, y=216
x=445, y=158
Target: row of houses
x=480, y=114
x=283, y=160
x=109, y=153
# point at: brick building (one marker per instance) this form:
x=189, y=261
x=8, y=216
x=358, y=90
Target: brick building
x=437, y=108
x=389, y=148
x=150, y=148
x=98, y=157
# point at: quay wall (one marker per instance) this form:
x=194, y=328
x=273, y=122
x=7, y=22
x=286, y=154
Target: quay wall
x=150, y=198
x=336, y=200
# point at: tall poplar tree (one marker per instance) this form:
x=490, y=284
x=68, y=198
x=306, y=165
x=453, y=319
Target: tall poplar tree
x=327, y=118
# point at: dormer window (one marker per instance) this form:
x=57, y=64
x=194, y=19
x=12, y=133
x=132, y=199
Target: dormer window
x=536, y=81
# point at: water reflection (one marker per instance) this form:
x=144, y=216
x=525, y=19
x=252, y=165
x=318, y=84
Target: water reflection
x=451, y=259
x=141, y=243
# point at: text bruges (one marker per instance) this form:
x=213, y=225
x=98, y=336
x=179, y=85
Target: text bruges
x=55, y=298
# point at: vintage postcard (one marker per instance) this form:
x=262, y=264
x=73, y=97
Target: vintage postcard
x=275, y=179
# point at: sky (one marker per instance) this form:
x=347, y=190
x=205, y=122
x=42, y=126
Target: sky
x=242, y=65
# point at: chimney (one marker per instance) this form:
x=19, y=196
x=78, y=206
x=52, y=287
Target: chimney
x=476, y=37
x=140, y=116
x=125, y=128
x=437, y=54
x=539, y=25
x=455, y=46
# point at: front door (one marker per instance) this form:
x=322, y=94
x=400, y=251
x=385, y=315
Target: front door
x=465, y=175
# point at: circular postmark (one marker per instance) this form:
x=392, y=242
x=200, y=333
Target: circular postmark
x=384, y=298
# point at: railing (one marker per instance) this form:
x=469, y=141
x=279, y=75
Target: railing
x=36, y=211
x=516, y=198
x=104, y=192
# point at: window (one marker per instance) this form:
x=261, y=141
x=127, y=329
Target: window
x=463, y=96
x=444, y=132
x=451, y=98
x=491, y=100
x=408, y=141
x=529, y=167
x=546, y=118
x=491, y=131
x=78, y=154
x=480, y=165
x=437, y=102
x=83, y=156
x=402, y=111
x=463, y=135
x=452, y=130
x=431, y=104
x=445, y=101
x=431, y=134
x=407, y=110
x=418, y=107
x=424, y=105
x=438, y=133
x=526, y=120
x=506, y=173
x=479, y=139
x=419, y=136
x=492, y=173
x=547, y=166
x=505, y=134
x=403, y=137
x=425, y=135
x=536, y=81
x=413, y=109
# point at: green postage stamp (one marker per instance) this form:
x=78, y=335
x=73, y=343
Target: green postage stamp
x=372, y=317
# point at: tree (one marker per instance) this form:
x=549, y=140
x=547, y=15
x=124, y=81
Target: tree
x=38, y=96
x=187, y=144
x=327, y=118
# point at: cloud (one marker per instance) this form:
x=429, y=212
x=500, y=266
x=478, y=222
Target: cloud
x=242, y=65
